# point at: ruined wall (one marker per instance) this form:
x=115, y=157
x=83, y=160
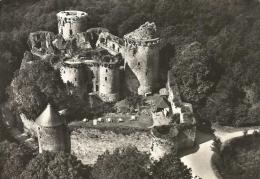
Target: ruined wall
x=143, y=61
x=87, y=144
x=113, y=44
x=82, y=41
x=40, y=43
x=70, y=23
x=109, y=82
x=187, y=137
x=93, y=73
x=51, y=138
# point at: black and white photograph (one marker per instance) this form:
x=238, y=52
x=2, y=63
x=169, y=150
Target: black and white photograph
x=129, y=89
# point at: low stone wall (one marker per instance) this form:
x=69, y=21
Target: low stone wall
x=87, y=144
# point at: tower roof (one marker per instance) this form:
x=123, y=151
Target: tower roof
x=147, y=31
x=49, y=118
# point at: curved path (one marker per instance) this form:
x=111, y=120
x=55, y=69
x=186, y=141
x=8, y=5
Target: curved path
x=200, y=161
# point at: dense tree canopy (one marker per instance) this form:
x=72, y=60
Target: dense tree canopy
x=122, y=163
x=170, y=167
x=55, y=165
x=36, y=85
x=13, y=159
x=193, y=72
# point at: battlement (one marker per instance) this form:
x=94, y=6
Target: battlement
x=70, y=23
x=133, y=43
x=71, y=16
x=144, y=32
x=145, y=35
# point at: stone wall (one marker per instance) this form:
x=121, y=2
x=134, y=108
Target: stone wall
x=87, y=144
x=113, y=44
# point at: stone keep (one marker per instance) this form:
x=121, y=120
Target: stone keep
x=70, y=23
x=142, y=56
x=51, y=131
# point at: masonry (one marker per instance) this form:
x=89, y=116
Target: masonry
x=96, y=60
x=97, y=63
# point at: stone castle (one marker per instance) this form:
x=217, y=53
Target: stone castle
x=96, y=61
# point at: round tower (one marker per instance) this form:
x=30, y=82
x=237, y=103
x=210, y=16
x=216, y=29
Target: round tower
x=142, y=57
x=51, y=131
x=109, y=80
x=73, y=73
x=70, y=23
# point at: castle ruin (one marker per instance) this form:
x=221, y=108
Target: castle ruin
x=100, y=62
x=96, y=63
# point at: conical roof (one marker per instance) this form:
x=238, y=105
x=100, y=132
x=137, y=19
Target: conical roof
x=49, y=118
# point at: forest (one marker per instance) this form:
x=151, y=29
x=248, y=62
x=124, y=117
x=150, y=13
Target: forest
x=214, y=54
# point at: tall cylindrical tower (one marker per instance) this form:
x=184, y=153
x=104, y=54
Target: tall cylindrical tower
x=74, y=73
x=109, y=81
x=142, y=57
x=70, y=23
x=51, y=131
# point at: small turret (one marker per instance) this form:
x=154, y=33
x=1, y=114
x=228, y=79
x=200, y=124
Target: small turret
x=51, y=131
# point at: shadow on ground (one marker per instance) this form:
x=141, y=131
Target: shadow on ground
x=201, y=138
